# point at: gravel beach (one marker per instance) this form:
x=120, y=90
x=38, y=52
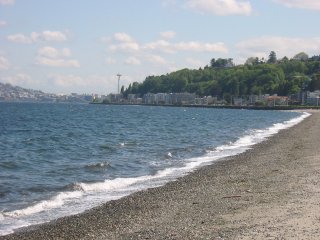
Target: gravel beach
x=269, y=192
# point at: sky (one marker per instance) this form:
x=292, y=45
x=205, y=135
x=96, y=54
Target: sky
x=79, y=46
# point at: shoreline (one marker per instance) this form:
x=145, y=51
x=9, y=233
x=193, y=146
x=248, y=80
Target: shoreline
x=248, y=107
x=268, y=191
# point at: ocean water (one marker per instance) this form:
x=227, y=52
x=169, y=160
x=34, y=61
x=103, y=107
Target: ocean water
x=62, y=159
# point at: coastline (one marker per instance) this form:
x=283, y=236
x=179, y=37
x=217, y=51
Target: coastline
x=280, y=107
x=267, y=192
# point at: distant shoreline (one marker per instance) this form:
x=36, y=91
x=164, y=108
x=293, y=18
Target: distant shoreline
x=217, y=106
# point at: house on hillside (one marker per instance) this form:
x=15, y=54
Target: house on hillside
x=277, y=101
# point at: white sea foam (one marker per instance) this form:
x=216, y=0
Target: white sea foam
x=88, y=195
x=55, y=202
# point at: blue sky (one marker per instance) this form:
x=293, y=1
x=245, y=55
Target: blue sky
x=80, y=45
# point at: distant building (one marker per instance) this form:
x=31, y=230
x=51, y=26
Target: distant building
x=134, y=99
x=277, y=101
x=160, y=98
x=312, y=98
x=149, y=98
x=169, y=98
x=114, y=98
x=238, y=101
x=206, y=100
x=183, y=98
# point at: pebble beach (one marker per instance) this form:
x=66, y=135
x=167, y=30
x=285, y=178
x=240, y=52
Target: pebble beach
x=271, y=191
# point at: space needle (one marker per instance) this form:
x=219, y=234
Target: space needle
x=119, y=75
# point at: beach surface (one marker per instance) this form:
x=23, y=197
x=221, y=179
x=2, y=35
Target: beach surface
x=269, y=192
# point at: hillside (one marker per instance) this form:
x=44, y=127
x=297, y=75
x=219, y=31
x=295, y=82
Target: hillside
x=223, y=78
x=18, y=94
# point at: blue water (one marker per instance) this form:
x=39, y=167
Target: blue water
x=61, y=159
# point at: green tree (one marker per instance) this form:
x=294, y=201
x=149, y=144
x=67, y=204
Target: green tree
x=301, y=57
x=252, y=61
x=315, y=82
x=272, y=58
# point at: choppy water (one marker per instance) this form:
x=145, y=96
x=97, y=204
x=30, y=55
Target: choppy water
x=61, y=159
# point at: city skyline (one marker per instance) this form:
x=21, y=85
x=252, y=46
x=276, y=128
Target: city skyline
x=81, y=46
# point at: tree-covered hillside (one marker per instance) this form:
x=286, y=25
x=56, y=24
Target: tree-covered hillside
x=222, y=77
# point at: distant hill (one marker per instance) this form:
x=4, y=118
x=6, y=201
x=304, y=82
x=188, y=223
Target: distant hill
x=11, y=93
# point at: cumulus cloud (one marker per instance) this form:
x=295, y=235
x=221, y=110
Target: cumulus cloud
x=57, y=62
x=49, y=56
x=123, y=37
x=53, y=52
x=125, y=43
x=122, y=42
x=156, y=60
x=160, y=45
x=305, y=4
x=192, y=46
x=202, y=47
x=20, y=79
x=4, y=63
x=283, y=46
x=19, y=38
x=221, y=7
x=7, y=2
x=45, y=36
x=168, y=34
x=125, y=47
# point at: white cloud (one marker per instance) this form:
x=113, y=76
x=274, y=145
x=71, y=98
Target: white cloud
x=305, y=4
x=132, y=61
x=19, y=38
x=51, y=52
x=53, y=57
x=160, y=45
x=192, y=46
x=201, y=47
x=4, y=63
x=7, y=2
x=20, y=79
x=57, y=62
x=156, y=60
x=221, y=7
x=123, y=42
x=125, y=47
x=123, y=37
x=283, y=46
x=45, y=36
x=3, y=23
x=168, y=34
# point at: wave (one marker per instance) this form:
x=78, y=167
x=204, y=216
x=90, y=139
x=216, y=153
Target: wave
x=88, y=195
x=98, y=165
x=55, y=202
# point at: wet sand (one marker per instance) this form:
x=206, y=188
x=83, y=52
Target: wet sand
x=269, y=192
